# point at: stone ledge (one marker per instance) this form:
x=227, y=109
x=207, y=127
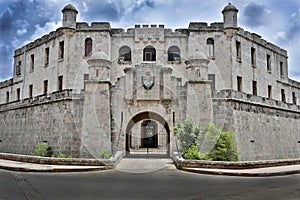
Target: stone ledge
x=112, y=162
x=182, y=163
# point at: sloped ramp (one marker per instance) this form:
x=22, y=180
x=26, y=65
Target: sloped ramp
x=144, y=165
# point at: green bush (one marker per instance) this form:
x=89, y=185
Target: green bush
x=193, y=154
x=224, y=147
x=105, y=154
x=187, y=134
x=42, y=149
x=61, y=155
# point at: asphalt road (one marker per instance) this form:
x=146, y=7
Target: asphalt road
x=159, y=184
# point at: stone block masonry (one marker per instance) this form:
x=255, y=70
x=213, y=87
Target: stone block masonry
x=49, y=119
x=262, y=130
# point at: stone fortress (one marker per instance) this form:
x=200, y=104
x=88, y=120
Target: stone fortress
x=87, y=88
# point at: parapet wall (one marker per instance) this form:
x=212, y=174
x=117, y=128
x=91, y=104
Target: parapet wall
x=259, y=40
x=264, y=129
x=53, y=119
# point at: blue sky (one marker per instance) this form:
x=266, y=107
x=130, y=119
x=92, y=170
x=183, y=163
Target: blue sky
x=22, y=21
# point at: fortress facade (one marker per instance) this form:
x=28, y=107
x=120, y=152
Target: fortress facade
x=84, y=89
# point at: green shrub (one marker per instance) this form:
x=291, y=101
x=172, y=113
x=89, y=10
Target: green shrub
x=61, y=155
x=105, y=154
x=187, y=134
x=42, y=149
x=224, y=147
x=193, y=154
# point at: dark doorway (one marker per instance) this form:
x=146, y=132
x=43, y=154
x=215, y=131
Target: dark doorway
x=149, y=134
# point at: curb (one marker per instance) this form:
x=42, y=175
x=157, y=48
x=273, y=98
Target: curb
x=55, y=170
x=51, y=169
x=242, y=174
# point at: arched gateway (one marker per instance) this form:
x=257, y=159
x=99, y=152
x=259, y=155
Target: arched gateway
x=147, y=135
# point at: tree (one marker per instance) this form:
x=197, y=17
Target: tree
x=215, y=144
x=187, y=134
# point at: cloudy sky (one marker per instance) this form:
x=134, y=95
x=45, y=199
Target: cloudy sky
x=22, y=21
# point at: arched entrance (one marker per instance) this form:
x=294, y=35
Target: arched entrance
x=151, y=141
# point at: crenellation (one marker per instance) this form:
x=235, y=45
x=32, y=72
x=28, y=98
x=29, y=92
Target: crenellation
x=6, y=83
x=260, y=41
x=217, y=25
x=117, y=31
x=198, y=25
x=256, y=100
x=101, y=25
x=82, y=25
x=203, y=26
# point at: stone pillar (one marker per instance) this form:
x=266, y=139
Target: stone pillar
x=166, y=83
x=96, y=128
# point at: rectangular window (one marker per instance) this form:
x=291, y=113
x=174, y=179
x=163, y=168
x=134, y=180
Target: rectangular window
x=18, y=68
x=269, y=63
x=281, y=69
x=294, y=98
x=212, y=78
x=85, y=77
x=254, y=87
x=30, y=91
x=61, y=50
x=148, y=56
x=253, y=57
x=239, y=84
x=46, y=56
x=60, y=83
x=18, y=94
x=32, y=62
x=282, y=95
x=45, y=86
x=270, y=91
x=7, y=97
x=238, y=51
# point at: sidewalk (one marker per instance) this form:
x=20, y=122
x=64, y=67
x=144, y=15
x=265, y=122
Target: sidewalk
x=143, y=166
x=31, y=167
x=258, y=172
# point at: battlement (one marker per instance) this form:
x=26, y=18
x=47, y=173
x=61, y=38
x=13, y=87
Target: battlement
x=6, y=83
x=93, y=26
x=38, y=42
x=37, y=100
x=256, y=100
x=203, y=26
x=259, y=40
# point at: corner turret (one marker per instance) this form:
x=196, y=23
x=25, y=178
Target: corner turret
x=69, y=16
x=230, y=16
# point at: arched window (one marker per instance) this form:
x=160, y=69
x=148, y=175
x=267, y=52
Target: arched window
x=124, y=54
x=210, y=47
x=173, y=53
x=149, y=53
x=88, y=47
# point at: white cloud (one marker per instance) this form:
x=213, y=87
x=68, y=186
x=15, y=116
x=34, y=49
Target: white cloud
x=21, y=31
x=281, y=35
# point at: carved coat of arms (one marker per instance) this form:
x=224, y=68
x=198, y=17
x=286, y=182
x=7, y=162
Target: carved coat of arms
x=148, y=81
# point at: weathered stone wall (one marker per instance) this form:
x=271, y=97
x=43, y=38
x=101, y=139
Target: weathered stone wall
x=54, y=118
x=264, y=129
